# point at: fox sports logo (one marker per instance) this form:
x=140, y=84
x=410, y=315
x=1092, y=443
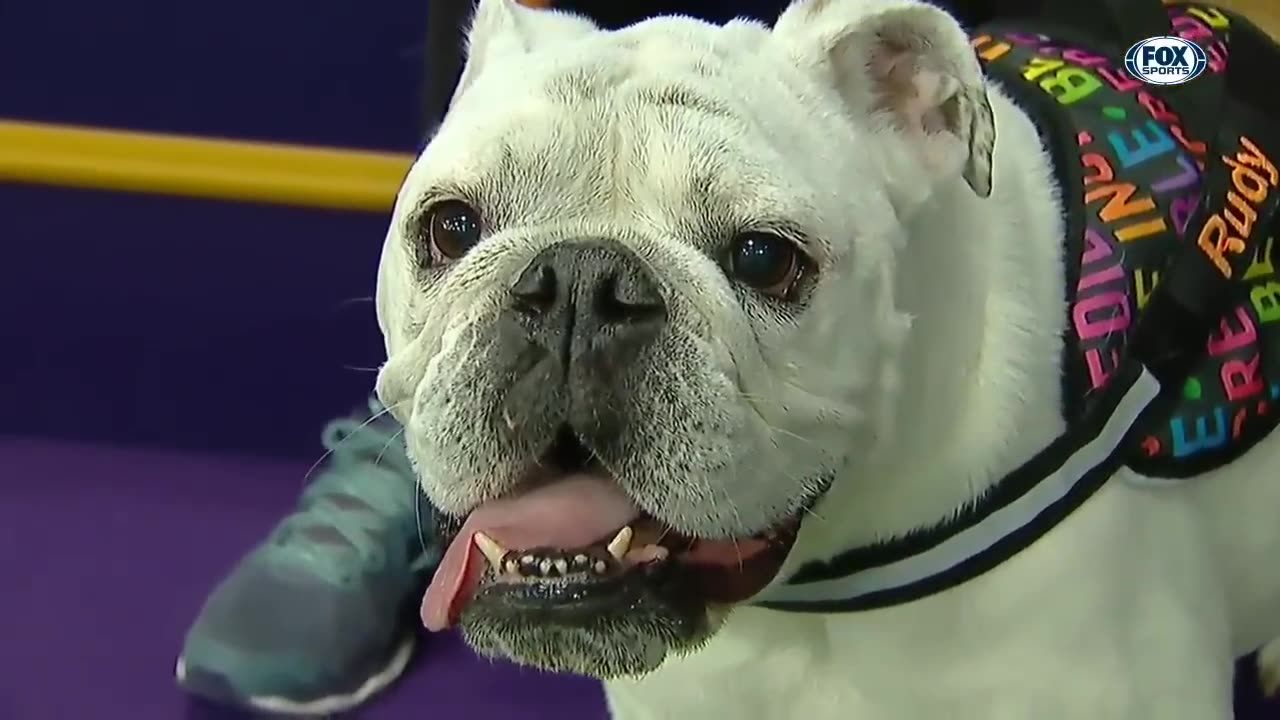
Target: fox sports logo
x=1165, y=60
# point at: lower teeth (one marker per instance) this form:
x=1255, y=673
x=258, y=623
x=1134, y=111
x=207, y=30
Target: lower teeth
x=554, y=564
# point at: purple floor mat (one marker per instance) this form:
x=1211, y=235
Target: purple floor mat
x=107, y=554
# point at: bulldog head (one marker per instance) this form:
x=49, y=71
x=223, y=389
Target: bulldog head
x=638, y=306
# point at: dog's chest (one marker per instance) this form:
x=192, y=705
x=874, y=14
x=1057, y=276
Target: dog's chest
x=1130, y=182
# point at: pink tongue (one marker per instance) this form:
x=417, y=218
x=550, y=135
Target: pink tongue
x=575, y=511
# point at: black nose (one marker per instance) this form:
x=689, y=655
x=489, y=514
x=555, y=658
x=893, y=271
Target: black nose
x=596, y=297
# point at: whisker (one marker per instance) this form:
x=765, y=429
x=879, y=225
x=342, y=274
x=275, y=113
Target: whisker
x=306, y=477
x=417, y=516
x=733, y=508
x=788, y=433
x=814, y=514
x=395, y=436
x=774, y=430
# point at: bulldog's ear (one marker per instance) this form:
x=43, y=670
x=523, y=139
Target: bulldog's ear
x=907, y=61
x=507, y=28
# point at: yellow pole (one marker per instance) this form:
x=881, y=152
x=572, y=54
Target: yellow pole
x=260, y=172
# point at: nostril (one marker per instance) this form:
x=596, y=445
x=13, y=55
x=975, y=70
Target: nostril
x=628, y=300
x=535, y=291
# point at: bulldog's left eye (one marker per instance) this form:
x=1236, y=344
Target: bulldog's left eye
x=453, y=228
x=766, y=262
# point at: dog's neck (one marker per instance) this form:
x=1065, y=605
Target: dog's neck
x=980, y=389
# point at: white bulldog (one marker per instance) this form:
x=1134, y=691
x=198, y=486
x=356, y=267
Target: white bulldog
x=676, y=311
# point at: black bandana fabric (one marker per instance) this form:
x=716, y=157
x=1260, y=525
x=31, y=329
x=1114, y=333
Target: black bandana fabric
x=1131, y=175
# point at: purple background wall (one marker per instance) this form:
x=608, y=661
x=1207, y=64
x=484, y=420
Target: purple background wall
x=189, y=323
x=200, y=324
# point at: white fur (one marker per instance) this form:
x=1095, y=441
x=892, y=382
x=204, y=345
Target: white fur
x=935, y=338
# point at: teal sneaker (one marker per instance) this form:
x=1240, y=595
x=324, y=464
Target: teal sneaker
x=323, y=614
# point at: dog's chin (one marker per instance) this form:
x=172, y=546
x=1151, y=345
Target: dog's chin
x=607, y=618
x=606, y=629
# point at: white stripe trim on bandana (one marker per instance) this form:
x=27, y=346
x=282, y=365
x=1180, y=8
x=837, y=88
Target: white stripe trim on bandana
x=984, y=535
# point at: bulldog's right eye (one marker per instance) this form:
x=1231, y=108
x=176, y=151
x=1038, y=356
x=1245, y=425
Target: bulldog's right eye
x=453, y=228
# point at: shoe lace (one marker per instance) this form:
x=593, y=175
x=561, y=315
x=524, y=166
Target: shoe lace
x=366, y=487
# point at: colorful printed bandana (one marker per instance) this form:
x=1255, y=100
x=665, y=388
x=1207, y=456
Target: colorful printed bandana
x=1137, y=172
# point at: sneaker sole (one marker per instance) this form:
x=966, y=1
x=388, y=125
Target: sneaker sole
x=278, y=705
